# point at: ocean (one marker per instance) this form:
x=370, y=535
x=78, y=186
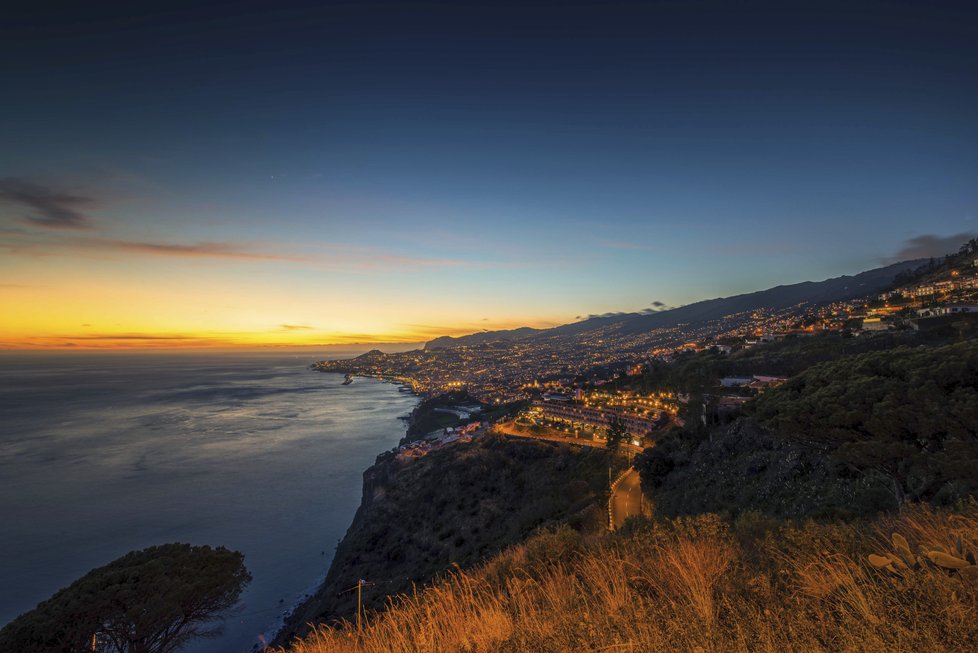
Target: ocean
x=104, y=453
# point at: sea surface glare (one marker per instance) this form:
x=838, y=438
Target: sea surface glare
x=101, y=454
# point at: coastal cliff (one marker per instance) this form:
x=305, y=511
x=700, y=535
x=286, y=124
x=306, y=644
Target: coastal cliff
x=455, y=506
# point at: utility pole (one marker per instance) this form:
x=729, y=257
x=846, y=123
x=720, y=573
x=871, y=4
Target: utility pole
x=359, y=588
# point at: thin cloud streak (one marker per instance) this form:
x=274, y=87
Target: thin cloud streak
x=45, y=206
x=129, y=336
x=335, y=257
x=192, y=250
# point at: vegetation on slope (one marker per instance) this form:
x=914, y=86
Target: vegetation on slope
x=744, y=467
x=909, y=414
x=692, y=584
x=786, y=357
x=455, y=506
x=846, y=437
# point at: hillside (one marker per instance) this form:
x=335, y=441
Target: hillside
x=861, y=426
x=696, y=584
x=455, y=506
x=743, y=467
x=762, y=534
x=812, y=292
x=821, y=292
x=481, y=338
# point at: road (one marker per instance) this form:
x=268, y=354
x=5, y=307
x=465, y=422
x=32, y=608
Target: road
x=626, y=500
x=507, y=428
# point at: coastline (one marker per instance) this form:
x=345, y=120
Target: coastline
x=270, y=635
x=454, y=507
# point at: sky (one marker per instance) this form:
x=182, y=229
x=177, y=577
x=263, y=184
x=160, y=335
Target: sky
x=259, y=173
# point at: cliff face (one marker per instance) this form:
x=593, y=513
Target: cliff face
x=455, y=506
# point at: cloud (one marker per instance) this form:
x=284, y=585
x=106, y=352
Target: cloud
x=132, y=336
x=189, y=250
x=345, y=258
x=45, y=206
x=656, y=307
x=592, y=316
x=929, y=245
x=295, y=327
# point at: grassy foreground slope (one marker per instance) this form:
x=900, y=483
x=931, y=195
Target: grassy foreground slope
x=693, y=584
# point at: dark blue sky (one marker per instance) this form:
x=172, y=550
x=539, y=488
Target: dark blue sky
x=530, y=161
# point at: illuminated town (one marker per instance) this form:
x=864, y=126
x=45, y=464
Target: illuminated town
x=577, y=384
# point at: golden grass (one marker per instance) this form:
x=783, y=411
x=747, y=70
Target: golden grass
x=689, y=585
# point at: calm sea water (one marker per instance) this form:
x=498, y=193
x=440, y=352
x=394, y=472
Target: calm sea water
x=101, y=454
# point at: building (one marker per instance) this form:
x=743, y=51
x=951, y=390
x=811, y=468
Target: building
x=876, y=324
x=938, y=321
x=588, y=416
x=956, y=309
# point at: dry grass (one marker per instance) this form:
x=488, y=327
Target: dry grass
x=685, y=586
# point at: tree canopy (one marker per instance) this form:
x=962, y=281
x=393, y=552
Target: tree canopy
x=910, y=413
x=149, y=601
x=616, y=434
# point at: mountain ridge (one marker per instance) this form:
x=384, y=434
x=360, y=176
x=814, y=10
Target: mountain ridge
x=841, y=288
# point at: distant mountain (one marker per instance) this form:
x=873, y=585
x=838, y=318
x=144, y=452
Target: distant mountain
x=813, y=292
x=482, y=337
x=841, y=288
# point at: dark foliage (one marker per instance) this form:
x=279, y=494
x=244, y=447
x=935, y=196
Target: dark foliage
x=149, y=601
x=909, y=413
x=616, y=433
x=741, y=467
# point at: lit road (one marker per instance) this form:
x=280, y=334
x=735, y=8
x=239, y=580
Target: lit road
x=627, y=500
x=508, y=428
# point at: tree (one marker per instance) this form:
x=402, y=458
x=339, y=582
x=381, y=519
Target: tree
x=149, y=601
x=616, y=434
x=910, y=414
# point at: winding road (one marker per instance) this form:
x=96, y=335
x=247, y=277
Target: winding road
x=626, y=500
x=626, y=493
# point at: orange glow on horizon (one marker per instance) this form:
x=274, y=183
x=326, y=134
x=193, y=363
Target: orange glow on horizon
x=240, y=340
x=100, y=306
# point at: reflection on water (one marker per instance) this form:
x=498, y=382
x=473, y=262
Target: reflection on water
x=104, y=453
